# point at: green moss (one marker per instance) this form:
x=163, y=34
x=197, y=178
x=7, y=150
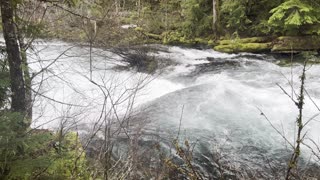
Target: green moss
x=177, y=38
x=246, y=40
x=244, y=47
x=255, y=47
x=283, y=44
x=253, y=44
x=225, y=48
x=139, y=29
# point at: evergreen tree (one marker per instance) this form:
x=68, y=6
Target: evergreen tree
x=197, y=16
x=292, y=15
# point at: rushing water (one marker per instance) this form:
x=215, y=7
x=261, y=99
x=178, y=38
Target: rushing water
x=215, y=98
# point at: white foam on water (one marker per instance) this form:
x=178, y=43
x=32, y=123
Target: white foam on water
x=215, y=102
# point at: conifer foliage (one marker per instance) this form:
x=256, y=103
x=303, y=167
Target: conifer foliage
x=291, y=15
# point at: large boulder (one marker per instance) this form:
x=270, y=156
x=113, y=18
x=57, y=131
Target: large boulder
x=296, y=44
x=244, y=47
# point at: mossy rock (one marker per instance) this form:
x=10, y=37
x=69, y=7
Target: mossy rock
x=246, y=40
x=296, y=43
x=225, y=48
x=176, y=38
x=311, y=29
x=283, y=44
x=244, y=47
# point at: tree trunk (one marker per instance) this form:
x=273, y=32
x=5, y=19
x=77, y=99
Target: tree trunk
x=139, y=7
x=215, y=19
x=116, y=4
x=18, y=99
x=26, y=73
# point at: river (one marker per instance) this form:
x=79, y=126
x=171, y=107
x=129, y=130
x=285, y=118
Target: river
x=226, y=103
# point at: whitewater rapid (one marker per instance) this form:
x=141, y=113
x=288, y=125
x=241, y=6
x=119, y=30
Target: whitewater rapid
x=216, y=98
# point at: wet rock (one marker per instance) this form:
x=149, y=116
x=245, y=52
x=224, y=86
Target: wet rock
x=289, y=44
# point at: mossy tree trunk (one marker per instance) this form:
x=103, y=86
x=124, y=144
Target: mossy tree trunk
x=25, y=67
x=27, y=77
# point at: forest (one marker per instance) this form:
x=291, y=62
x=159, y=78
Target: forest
x=159, y=89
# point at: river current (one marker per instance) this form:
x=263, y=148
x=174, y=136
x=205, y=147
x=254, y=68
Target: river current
x=228, y=103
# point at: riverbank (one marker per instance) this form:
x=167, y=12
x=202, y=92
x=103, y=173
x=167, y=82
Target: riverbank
x=138, y=36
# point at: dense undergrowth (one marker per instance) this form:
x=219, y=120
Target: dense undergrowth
x=39, y=153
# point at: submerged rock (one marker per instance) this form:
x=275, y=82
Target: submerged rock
x=142, y=58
